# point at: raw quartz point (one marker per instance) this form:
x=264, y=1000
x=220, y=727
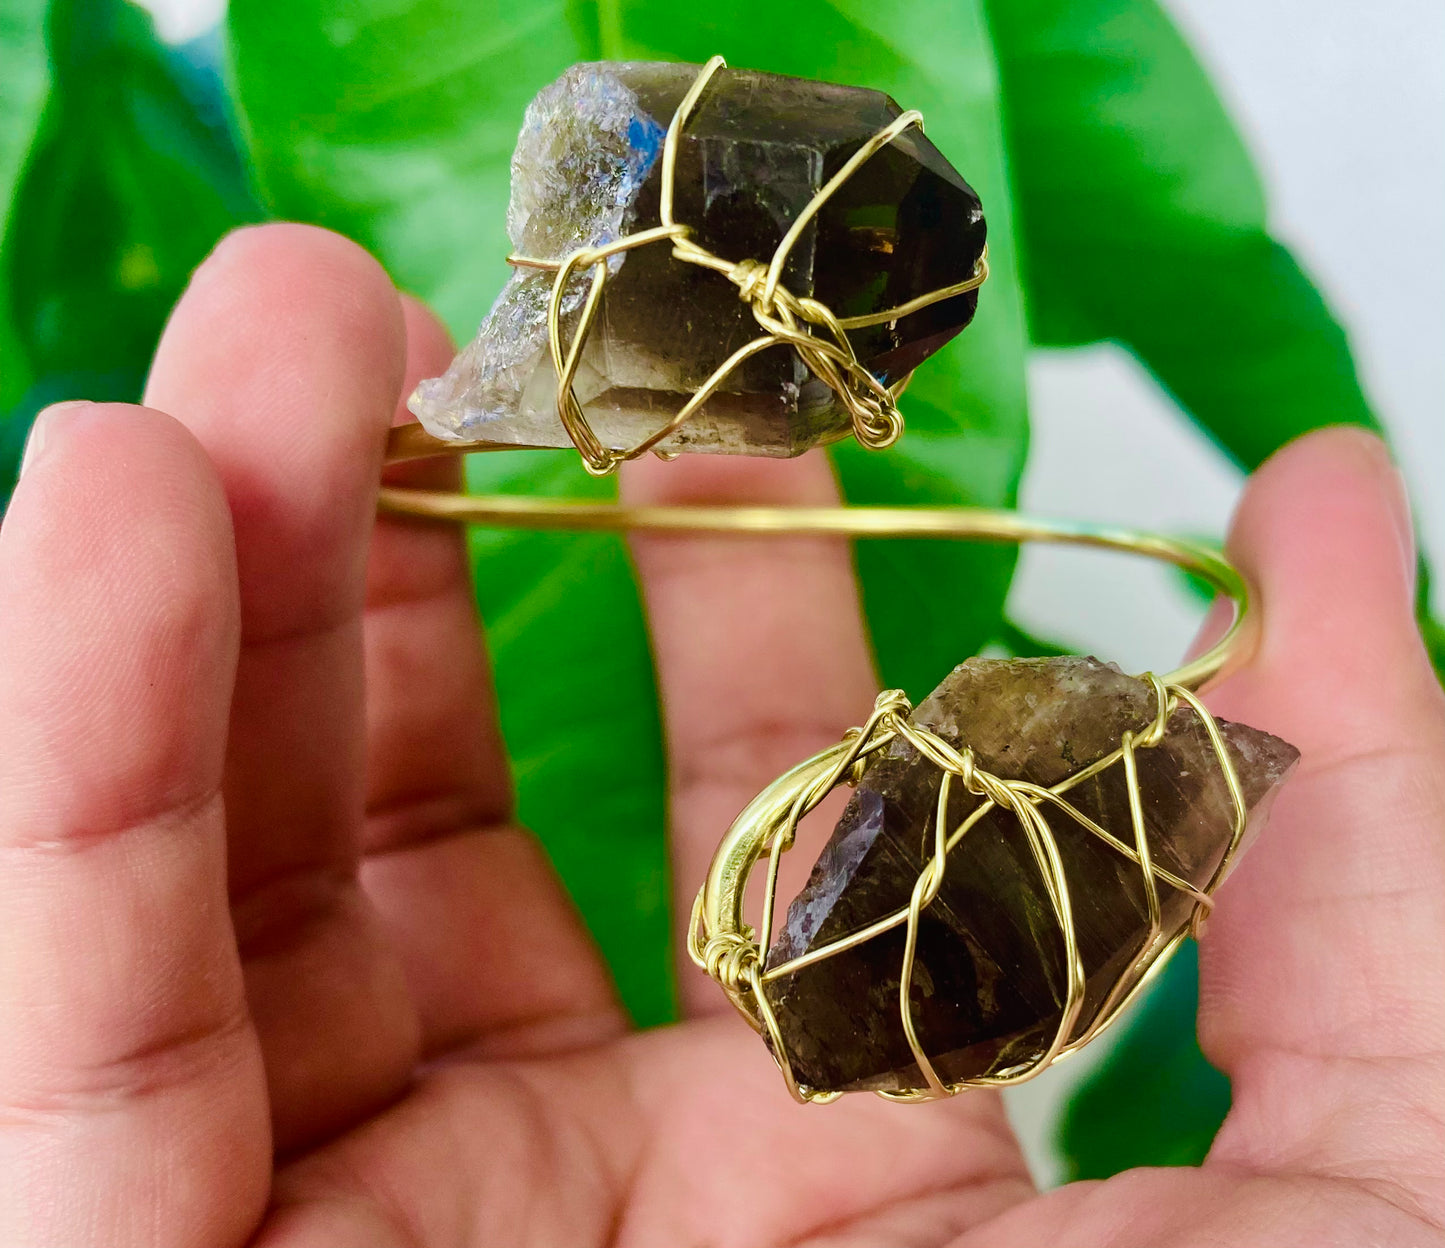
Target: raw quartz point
x=587, y=170
x=989, y=980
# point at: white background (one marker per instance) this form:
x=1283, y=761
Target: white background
x=1343, y=106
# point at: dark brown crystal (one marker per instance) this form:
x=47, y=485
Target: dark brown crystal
x=754, y=153
x=989, y=981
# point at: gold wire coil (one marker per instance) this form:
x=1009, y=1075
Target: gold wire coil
x=786, y=319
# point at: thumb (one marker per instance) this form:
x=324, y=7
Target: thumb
x=1323, y=972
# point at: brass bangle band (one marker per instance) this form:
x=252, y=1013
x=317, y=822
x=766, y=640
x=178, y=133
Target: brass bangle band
x=409, y=442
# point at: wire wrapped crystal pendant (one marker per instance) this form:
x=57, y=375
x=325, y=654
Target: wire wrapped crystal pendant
x=1019, y=854
x=713, y=260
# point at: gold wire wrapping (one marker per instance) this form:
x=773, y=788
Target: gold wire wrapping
x=785, y=318
x=732, y=952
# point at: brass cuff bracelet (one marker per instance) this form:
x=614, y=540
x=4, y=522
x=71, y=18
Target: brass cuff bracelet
x=1027, y=846
x=730, y=949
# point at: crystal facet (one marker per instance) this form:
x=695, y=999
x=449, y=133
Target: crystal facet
x=989, y=981
x=757, y=148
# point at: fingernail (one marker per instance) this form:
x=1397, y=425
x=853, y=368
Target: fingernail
x=35, y=442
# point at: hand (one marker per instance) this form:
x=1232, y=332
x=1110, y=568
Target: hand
x=278, y=969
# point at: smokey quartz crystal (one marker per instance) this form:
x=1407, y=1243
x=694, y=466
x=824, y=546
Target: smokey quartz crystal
x=756, y=149
x=989, y=980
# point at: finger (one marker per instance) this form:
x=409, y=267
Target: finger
x=285, y=358
x=493, y=951
x=435, y=760
x=132, y=1099
x=1324, y=968
x=760, y=654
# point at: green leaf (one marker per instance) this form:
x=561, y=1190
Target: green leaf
x=1155, y=1101
x=24, y=69
x=135, y=177
x=1432, y=631
x=1142, y=221
x=394, y=123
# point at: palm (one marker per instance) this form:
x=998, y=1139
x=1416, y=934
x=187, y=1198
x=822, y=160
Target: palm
x=258, y=909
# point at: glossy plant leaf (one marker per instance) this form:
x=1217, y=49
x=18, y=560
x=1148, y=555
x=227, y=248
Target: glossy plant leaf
x=395, y=124
x=25, y=73
x=135, y=177
x=1017, y=642
x=1142, y=220
x=1432, y=631
x=1155, y=1101
x=574, y=682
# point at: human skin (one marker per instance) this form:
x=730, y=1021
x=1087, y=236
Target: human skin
x=278, y=968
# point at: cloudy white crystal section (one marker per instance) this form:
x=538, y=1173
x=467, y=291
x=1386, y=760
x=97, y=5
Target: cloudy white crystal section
x=586, y=147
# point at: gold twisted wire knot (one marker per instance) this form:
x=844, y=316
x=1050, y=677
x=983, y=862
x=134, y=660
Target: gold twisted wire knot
x=729, y=957
x=733, y=953
x=805, y=324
